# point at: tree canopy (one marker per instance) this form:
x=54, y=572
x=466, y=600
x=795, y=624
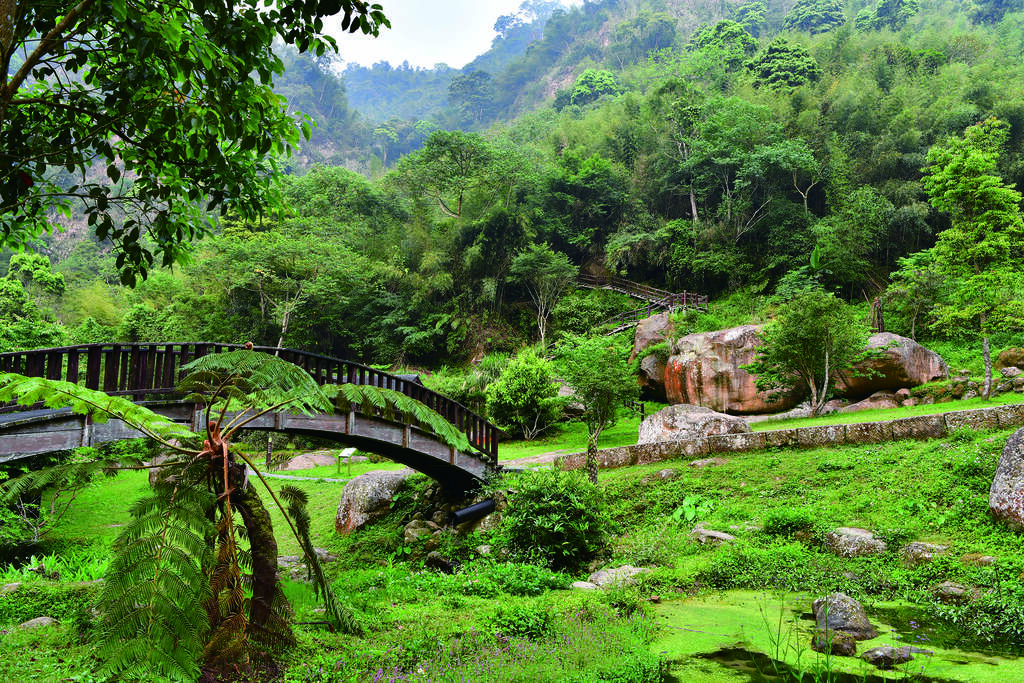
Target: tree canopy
x=144, y=116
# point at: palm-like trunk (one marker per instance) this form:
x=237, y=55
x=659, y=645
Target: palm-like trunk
x=986, y=352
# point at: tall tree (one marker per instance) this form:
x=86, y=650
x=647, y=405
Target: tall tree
x=546, y=274
x=601, y=380
x=982, y=253
x=145, y=115
x=813, y=337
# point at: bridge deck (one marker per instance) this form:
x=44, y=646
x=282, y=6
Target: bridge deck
x=147, y=374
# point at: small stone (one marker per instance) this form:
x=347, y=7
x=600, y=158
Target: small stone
x=9, y=587
x=1011, y=372
x=584, y=586
x=483, y=550
x=324, y=555
x=886, y=657
x=834, y=642
x=854, y=542
x=618, y=577
x=708, y=462
x=416, y=530
x=951, y=593
x=977, y=560
x=660, y=475
x=439, y=518
x=917, y=553
x=436, y=561
x=840, y=612
x=709, y=536
x=656, y=599
x=969, y=394
x=38, y=622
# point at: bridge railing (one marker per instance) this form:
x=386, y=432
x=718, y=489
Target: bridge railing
x=141, y=370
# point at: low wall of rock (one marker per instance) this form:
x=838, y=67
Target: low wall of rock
x=917, y=427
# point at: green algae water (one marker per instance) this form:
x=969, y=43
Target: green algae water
x=759, y=637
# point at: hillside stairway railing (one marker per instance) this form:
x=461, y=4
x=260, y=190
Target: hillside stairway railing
x=658, y=300
x=145, y=371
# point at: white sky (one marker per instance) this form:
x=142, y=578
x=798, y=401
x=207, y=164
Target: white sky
x=429, y=32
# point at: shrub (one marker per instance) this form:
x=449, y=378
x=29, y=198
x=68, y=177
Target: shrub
x=557, y=517
x=525, y=396
x=786, y=521
x=63, y=602
x=521, y=621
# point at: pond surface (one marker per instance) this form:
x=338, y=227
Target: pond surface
x=761, y=637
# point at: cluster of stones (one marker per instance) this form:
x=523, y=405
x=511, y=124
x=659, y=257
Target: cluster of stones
x=367, y=498
x=840, y=621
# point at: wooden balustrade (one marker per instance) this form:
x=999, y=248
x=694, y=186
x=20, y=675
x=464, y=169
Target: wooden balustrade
x=150, y=371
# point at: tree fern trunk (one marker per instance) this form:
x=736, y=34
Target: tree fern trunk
x=263, y=546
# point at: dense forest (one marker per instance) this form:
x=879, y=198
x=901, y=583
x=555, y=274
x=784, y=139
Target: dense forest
x=775, y=149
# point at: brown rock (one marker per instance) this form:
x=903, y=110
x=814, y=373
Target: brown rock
x=1011, y=372
x=704, y=370
x=368, y=498
x=840, y=612
x=977, y=560
x=1010, y=358
x=918, y=553
x=903, y=363
x=834, y=642
x=710, y=536
x=650, y=331
x=951, y=593
x=854, y=542
x=709, y=462
x=1006, y=495
x=688, y=423
x=652, y=378
x=879, y=399
x=888, y=656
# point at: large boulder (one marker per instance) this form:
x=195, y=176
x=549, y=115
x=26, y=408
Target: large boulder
x=688, y=423
x=704, y=370
x=367, y=498
x=902, y=363
x=651, y=331
x=1010, y=358
x=1006, y=495
x=840, y=612
x=880, y=399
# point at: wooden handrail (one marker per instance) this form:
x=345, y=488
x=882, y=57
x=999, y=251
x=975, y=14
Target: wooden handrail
x=141, y=370
x=657, y=299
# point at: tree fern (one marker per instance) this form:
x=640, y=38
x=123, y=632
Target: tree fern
x=341, y=616
x=388, y=401
x=96, y=404
x=151, y=619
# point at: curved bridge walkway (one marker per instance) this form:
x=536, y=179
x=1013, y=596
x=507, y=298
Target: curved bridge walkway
x=147, y=373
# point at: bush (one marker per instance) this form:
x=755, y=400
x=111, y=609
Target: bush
x=786, y=521
x=529, y=621
x=63, y=602
x=525, y=396
x=557, y=517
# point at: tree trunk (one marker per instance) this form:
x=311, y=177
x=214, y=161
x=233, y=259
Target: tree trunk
x=986, y=352
x=263, y=547
x=592, y=459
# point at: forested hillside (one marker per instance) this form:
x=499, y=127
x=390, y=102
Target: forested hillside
x=783, y=149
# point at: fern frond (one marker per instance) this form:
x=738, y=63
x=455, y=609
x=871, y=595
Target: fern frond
x=57, y=394
x=388, y=401
x=256, y=380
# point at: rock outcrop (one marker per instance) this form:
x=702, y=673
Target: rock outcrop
x=704, y=370
x=879, y=399
x=618, y=577
x=1006, y=495
x=654, y=330
x=902, y=363
x=367, y=498
x=688, y=423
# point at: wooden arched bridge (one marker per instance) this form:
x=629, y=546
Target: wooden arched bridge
x=147, y=373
